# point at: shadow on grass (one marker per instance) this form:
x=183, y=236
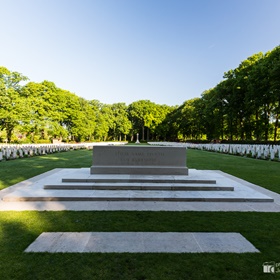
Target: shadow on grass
x=20, y=229
x=14, y=171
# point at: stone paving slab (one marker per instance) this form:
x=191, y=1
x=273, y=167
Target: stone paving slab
x=141, y=242
x=98, y=195
x=139, y=206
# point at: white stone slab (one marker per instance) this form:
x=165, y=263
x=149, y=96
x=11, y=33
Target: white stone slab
x=141, y=242
x=223, y=242
x=30, y=194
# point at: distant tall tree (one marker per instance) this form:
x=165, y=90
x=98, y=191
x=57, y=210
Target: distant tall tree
x=142, y=114
x=104, y=121
x=159, y=128
x=273, y=77
x=13, y=107
x=121, y=125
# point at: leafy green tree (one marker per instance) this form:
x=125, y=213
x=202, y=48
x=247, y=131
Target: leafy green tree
x=104, y=121
x=36, y=124
x=13, y=107
x=210, y=114
x=121, y=125
x=83, y=121
x=144, y=116
x=168, y=129
x=273, y=65
x=159, y=127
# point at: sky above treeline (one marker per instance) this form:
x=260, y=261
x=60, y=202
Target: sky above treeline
x=166, y=51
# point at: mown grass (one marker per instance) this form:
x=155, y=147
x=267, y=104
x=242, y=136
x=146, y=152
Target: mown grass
x=14, y=171
x=19, y=229
x=264, y=173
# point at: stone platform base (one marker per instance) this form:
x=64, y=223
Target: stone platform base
x=79, y=185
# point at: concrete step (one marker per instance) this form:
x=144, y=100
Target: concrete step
x=128, y=195
x=136, y=186
x=140, y=179
x=35, y=192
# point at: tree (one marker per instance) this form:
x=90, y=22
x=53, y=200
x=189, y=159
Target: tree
x=104, y=121
x=168, y=129
x=159, y=127
x=143, y=114
x=13, y=107
x=273, y=62
x=121, y=125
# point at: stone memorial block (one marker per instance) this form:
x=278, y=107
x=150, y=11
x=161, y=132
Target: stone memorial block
x=146, y=160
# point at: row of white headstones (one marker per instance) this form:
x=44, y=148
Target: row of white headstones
x=19, y=151
x=270, y=152
x=8, y=152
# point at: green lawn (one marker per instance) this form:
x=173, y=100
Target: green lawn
x=260, y=172
x=19, y=229
x=14, y=171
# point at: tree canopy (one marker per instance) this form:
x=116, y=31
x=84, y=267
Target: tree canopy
x=245, y=105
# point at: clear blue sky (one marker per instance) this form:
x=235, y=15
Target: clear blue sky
x=166, y=51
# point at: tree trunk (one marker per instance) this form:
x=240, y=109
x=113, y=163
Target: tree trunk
x=143, y=133
x=9, y=135
x=266, y=128
x=276, y=128
x=257, y=129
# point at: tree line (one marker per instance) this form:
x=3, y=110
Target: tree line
x=243, y=106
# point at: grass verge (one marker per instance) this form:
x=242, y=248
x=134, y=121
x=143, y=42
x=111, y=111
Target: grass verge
x=260, y=172
x=19, y=229
x=14, y=171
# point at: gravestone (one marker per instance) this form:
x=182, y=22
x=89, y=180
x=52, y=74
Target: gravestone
x=20, y=153
x=143, y=160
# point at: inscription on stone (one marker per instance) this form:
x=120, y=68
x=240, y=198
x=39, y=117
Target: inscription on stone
x=135, y=158
x=139, y=160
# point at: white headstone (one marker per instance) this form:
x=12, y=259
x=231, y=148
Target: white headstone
x=20, y=153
